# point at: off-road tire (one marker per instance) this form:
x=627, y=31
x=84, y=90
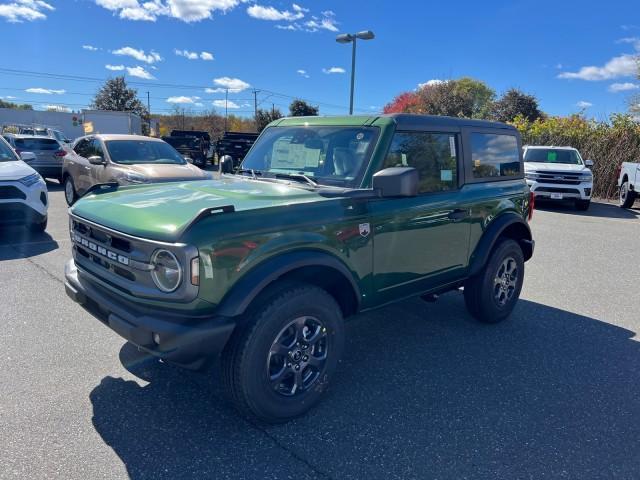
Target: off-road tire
x=244, y=363
x=626, y=197
x=480, y=290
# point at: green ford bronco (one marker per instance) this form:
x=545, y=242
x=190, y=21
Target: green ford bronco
x=326, y=218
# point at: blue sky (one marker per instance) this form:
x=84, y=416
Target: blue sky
x=570, y=54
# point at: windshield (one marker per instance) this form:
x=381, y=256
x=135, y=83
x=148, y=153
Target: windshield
x=6, y=153
x=552, y=155
x=334, y=156
x=130, y=152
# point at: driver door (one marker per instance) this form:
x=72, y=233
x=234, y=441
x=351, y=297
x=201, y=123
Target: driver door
x=99, y=173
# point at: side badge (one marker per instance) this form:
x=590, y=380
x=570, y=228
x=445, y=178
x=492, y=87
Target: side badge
x=364, y=229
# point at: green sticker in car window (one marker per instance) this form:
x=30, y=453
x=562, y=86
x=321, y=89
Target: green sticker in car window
x=552, y=156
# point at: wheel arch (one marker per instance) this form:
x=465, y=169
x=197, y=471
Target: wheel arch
x=310, y=266
x=508, y=225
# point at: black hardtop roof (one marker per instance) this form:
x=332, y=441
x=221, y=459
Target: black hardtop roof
x=409, y=120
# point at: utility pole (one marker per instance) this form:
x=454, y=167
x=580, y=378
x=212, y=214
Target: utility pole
x=273, y=110
x=149, y=110
x=226, y=108
x=255, y=107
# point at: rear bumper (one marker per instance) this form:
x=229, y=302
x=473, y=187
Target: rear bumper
x=48, y=171
x=183, y=340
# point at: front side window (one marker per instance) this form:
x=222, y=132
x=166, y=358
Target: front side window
x=494, y=155
x=95, y=149
x=334, y=156
x=553, y=155
x=131, y=152
x=82, y=147
x=434, y=155
x=6, y=152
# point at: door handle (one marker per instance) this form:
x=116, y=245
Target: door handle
x=458, y=214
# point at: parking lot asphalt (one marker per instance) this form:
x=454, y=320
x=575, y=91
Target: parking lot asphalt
x=423, y=391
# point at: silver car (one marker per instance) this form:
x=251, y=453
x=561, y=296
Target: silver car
x=49, y=153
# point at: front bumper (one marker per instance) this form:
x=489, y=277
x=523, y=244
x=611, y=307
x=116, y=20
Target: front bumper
x=555, y=191
x=185, y=341
x=23, y=205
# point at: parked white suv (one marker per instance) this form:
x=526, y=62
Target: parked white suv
x=559, y=173
x=23, y=192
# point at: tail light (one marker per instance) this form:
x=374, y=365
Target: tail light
x=532, y=204
x=60, y=153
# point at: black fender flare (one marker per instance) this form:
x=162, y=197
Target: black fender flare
x=247, y=288
x=491, y=235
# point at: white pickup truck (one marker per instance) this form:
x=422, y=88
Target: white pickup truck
x=629, y=183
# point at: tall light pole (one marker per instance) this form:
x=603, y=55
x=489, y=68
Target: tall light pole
x=351, y=38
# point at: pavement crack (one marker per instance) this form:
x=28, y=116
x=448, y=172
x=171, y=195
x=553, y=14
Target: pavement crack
x=294, y=454
x=42, y=268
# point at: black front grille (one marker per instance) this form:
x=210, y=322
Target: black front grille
x=102, y=237
x=557, y=190
x=9, y=192
x=558, y=182
x=563, y=178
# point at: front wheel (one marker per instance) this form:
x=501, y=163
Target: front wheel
x=491, y=295
x=583, y=205
x=70, y=194
x=280, y=362
x=627, y=197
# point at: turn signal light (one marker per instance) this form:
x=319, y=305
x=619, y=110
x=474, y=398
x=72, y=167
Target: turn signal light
x=195, y=271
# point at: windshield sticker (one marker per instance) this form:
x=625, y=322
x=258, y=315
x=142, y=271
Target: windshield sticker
x=293, y=155
x=446, y=175
x=552, y=156
x=452, y=146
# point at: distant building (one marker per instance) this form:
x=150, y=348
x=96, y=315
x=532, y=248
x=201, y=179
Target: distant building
x=74, y=125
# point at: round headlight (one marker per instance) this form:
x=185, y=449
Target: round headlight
x=166, y=273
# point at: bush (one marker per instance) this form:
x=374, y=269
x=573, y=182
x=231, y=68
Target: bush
x=608, y=144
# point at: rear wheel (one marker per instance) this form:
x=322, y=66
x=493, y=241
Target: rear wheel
x=582, y=205
x=278, y=364
x=627, y=196
x=491, y=295
x=70, y=194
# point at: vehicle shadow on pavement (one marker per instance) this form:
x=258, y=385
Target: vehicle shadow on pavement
x=597, y=209
x=20, y=242
x=423, y=392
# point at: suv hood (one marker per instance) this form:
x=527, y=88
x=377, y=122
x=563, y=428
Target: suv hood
x=14, y=170
x=553, y=167
x=161, y=211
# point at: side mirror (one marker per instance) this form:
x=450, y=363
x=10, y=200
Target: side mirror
x=588, y=163
x=27, y=156
x=226, y=164
x=396, y=182
x=96, y=160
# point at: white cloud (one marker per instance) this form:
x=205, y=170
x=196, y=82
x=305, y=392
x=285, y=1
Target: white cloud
x=91, y=48
x=322, y=24
x=302, y=73
x=114, y=68
x=182, y=99
x=331, y=70
x=270, y=13
x=234, y=85
x=298, y=8
x=223, y=103
x=623, y=87
x=429, y=83
x=185, y=10
x=140, y=55
x=214, y=90
x=45, y=91
x=621, y=66
x=291, y=26
x=186, y=54
x=140, y=72
x=583, y=104
x=206, y=56
x=635, y=41
x=25, y=10
x=9, y=97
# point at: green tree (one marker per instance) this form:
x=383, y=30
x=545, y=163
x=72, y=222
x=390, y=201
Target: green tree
x=116, y=96
x=515, y=103
x=478, y=93
x=265, y=117
x=23, y=106
x=300, y=108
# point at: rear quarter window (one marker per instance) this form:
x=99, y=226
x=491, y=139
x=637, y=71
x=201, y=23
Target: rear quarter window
x=37, y=144
x=495, y=155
